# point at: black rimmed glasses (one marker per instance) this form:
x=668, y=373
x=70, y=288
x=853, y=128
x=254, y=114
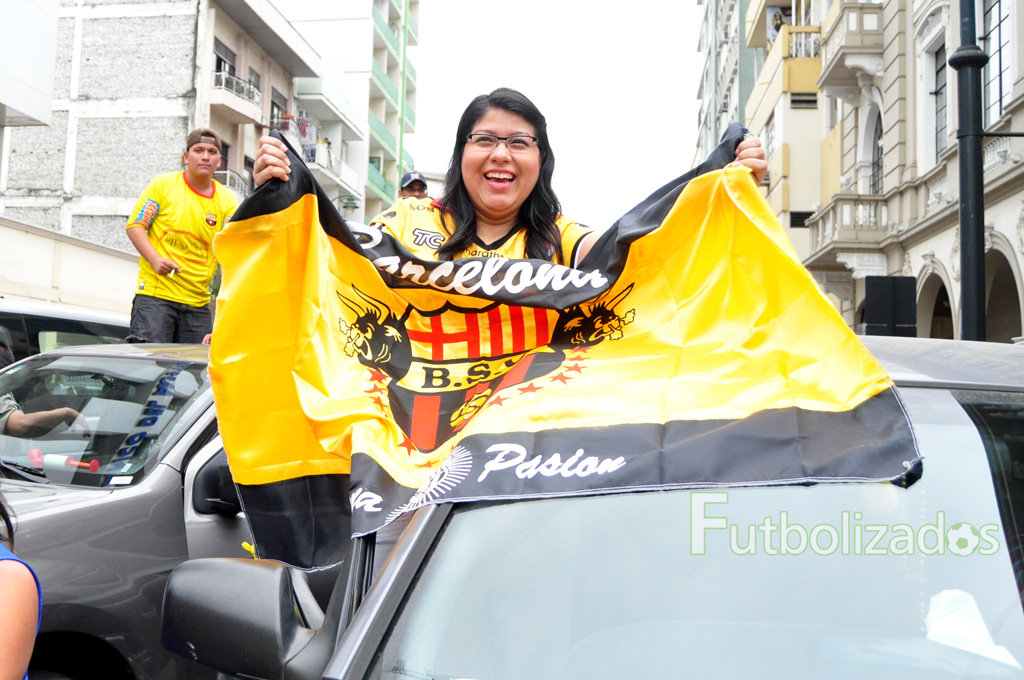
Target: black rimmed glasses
x=484, y=142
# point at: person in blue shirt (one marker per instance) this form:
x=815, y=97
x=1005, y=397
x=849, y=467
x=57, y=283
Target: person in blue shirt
x=20, y=607
x=21, y=602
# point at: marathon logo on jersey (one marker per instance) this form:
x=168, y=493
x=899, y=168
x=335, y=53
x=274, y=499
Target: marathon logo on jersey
x=150, y=209
x=211, y=219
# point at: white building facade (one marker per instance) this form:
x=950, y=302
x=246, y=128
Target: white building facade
x=368, y=44
x=728, y=71
x=856, y=105
x=130, y=81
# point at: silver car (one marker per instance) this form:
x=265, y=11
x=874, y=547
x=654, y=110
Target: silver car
x=826, y=581
x=106, y=507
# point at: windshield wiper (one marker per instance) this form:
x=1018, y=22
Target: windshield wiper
x=22, y=471
x=400, y=669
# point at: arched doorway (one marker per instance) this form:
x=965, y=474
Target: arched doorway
x=1002, y=305
x=934, y=311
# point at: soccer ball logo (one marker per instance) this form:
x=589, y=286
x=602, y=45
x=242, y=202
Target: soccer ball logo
x=962, y=539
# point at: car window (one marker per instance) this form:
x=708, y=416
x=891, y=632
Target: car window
x=128, y=408
x=876, y=581
x=12, y=334
x=1000, y=420
x=47, y=333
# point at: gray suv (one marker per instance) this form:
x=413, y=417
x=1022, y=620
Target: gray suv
x=105, y=508
x=829, y=581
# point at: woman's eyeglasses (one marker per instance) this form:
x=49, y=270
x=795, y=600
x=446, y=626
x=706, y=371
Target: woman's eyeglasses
x=481, y=141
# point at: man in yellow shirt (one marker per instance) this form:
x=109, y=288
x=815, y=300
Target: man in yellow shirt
x=172, y=227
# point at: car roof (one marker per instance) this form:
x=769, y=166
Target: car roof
x=190, y=353
x=60, y=310
x=950, y=363
x=909, y=361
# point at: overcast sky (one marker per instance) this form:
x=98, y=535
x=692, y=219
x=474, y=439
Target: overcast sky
x=618, y=88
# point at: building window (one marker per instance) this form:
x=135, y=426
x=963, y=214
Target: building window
x=254, y=80
x=799, y=219
x=803, y=100
x=996, y=38
x=875, y=185
x=278, y=104
x=224, y=59
x=250, y=166
x=769, y=138
x=835, y=113
x=940, y=101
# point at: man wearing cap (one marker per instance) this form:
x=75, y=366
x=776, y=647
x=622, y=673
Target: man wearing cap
x=172, y=226
x=414, y=184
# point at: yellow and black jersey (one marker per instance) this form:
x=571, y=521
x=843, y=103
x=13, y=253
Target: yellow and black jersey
x=420, y=225
x=181, y=224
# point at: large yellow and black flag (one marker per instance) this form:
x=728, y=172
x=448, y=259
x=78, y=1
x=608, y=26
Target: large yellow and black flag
x=690, y=349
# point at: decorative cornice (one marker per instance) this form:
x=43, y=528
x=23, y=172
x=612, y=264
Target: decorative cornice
x=870, y=64
x=929, y=264
x=864, y=264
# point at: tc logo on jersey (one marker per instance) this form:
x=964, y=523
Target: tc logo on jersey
x=430, y=238
x=211, y=219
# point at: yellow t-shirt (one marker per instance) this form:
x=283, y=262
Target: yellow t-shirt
x=417, y=223
x=181, y=224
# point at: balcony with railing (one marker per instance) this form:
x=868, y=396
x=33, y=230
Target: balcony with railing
x=853, y=42
x=384, y=189
x=237, y=183
x=328, y=168
x=793, y=64
x=235, y=99
x=382, y=86
x=382, y=135
x=385, y=37
x=324, y=98
x=289, y=127
x=850, y=222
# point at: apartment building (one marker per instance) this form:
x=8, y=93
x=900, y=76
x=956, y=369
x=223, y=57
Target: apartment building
x=728, y=72
x=369, y=43
x=130, y=81
x=784, y=107
x=856, y=106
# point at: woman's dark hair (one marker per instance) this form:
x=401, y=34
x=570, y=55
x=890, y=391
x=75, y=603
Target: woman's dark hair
x=541, y=207
x=7, y=526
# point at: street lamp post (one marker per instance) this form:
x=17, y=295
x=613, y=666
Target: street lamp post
x=968, y=61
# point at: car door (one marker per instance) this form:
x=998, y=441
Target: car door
x=215, y=525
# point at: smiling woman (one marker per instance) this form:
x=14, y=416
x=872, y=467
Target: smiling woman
x=498, y=200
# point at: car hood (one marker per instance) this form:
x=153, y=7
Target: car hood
x=28, y=499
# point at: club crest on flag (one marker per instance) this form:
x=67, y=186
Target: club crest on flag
x=442, y=367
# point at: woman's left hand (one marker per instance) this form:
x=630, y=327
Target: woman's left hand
x=750, y=153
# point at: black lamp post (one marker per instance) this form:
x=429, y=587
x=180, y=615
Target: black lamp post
x=968, y=61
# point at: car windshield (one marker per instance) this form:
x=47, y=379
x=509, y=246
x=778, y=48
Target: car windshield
x=875, y=581
x=123, y=410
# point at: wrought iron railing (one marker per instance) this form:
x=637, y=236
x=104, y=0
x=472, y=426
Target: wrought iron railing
x=232, y=83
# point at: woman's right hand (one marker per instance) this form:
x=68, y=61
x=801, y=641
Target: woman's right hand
x=271, y=161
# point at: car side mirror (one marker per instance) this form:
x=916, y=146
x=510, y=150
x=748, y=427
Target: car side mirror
x=238, y=616
x=214, y=492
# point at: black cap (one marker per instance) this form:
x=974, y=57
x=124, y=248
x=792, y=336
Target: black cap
x=414, y=176
x=203, y=135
